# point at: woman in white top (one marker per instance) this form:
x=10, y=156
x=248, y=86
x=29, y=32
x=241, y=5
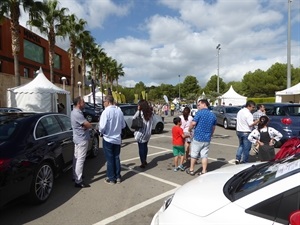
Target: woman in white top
x=142, y=135
x=265, y=137
x=186, y=120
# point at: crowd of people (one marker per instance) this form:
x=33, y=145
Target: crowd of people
x=191, y=136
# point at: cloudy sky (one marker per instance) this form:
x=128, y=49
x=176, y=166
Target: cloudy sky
x=157, y=40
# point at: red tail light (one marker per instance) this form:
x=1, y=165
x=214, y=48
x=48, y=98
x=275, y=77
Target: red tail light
x=4, y=164
x=286, y=121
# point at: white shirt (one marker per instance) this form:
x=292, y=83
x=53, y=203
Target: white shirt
x=186, y=124
x=255, y=134
x=244, y=119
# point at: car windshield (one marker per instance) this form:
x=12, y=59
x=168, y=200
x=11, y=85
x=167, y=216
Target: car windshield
x=232, y=110
x=261, y=175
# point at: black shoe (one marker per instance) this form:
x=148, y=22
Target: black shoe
x=81, y=185
x=237, y=162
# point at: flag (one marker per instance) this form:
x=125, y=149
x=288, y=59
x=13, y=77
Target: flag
x=166, y=99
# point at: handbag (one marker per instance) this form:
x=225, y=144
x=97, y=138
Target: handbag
x=137, y=122
x=254, y=149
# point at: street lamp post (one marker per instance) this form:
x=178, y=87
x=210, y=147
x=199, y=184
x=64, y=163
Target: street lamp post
x=218, y=78
x=64, y=82
x=289, y=46
x=179, y=86
x=79, y=88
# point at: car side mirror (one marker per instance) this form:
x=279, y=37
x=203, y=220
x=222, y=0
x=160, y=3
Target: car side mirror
x=294, y=218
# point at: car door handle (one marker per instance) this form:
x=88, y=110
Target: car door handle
x=50, y=143
x=66, y=141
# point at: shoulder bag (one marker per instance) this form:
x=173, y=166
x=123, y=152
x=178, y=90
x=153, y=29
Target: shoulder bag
x=137, y=122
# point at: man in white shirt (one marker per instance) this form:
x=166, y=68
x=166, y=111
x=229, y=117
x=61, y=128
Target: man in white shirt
x=110, y=126
x=244, y=125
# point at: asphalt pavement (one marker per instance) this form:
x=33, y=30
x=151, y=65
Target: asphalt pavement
x=134, y=201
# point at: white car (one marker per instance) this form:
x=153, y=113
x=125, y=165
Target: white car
x=129, y=110
x=255, y=194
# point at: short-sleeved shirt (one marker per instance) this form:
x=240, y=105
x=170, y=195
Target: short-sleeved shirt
x=244, y=119
x=205, y=122
x=177, y=138
x=80, y=133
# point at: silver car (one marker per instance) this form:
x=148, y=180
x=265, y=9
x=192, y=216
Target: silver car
x=226, y=115
x=129, y=111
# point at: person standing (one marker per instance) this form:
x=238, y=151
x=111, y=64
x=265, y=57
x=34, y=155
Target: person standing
x=81, y=137
x=204, y=124
x=186, y=120
x=265, y=137
x=110, y=126
x=244, y=126
x=172, y=108
x=142, y=135
x=178, y=144
x=260, y=112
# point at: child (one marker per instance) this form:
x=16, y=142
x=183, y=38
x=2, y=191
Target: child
x=178, y=144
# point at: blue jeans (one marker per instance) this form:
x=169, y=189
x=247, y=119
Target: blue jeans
x=244, y=146
x=143, y=151
x=112, y=155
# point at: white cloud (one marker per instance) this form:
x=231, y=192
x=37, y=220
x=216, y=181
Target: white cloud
x=252, y=35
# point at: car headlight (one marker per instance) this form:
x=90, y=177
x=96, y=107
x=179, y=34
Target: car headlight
x=168, y=202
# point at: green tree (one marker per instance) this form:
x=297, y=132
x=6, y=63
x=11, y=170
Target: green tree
x=12, y=9
x=49, y=20
x=211, y=85
x=73, y=28
x=190, y=85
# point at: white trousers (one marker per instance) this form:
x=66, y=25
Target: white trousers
x=78, y=160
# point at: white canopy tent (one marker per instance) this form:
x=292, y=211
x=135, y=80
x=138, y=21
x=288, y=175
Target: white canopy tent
x=39, y=95
x=289, y=94
x=98, y=97
x=231, y=97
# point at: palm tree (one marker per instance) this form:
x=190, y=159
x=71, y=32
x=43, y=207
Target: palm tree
x=84, y=45
x=73, y=28
x=49, y=19
x=12, y=8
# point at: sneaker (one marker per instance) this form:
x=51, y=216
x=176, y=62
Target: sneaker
x=176, y=169
x=119, y=180
x=108, y=181
x=237, y=162
x=181, y=167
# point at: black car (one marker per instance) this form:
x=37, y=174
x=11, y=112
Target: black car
x=34, y=149
x=92, y=112
x=10, y=109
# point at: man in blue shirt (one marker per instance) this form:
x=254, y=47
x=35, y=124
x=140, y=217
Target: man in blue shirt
x=110, y=126
x=203, y=124
x=81, y=137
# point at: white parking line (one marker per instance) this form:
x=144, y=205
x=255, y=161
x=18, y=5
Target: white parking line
x=135, y=208
x=158, y=197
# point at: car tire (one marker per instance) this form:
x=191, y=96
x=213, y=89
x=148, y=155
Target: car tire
x=225, y=124
x=94, y=151
x=159, y=128
x=42, y=184
x=89, y=118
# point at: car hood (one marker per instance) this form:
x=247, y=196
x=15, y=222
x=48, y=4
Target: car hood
x=204, y=194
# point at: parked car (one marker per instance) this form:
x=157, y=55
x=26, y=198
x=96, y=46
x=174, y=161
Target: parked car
x=34, y=149
x=284, y=117
x=129, y=111
x=226, y=115
x=10, y=109
x=92, y=113
x=261, y=193
x=194, y=109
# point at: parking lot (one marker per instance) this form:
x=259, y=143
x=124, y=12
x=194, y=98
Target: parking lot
x=135, y=200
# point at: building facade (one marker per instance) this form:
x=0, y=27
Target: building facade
x=34, y=53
